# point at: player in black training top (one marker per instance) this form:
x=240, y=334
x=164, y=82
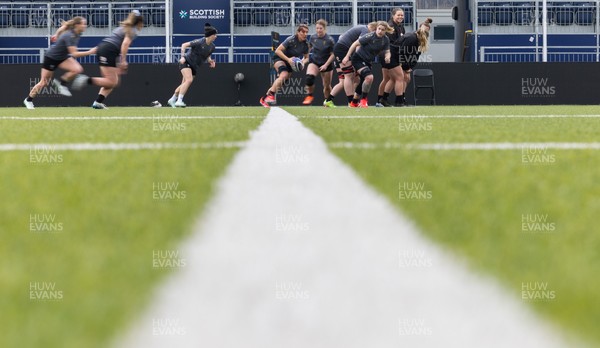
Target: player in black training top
x=293, y=46
x=367, y=48
x=393, y=78
x=320, y=62
x=61, y=56
x=111, y=65
x=200, y=52
x=412, y=46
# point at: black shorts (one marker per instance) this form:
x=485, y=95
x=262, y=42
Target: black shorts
x=285, y=67
x=358, y=63
x=51, y=64
x=107, y=54
x=187, y=65
x=329, y=67
x=339, y=51
x=394, y=62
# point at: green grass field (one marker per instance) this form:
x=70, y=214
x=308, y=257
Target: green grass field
x=521, y=216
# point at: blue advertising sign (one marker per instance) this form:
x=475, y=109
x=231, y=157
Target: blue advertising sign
x=189, y=16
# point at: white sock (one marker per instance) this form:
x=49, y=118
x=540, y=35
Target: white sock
x=180, y=98
x=174, y=97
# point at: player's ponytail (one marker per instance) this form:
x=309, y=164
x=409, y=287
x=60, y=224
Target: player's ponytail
x=423, y=35
x=71, y=23
x=134, y=19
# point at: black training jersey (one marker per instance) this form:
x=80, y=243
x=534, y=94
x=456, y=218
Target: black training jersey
x=292, y=47
x=371, y=45
x=322, y=47
x=118, y=35
x=397, y=36
x=348, y=38
x=199, y=52
x=409, y=51
x=60, y=50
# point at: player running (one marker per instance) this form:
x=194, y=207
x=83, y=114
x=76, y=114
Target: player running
x=61, y=55
x=345, y=71
x=293, y=46
x=200, y=51
x=368, y=47
x=108, y=53
x=320, y=62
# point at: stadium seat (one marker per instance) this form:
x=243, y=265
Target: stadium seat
x=523, y=13
x=485, y=14
x=81, y=10
x=323, y=10
x=4, y=15
x=382, y=11
x=342, y=13
x=504, y=13
x=423, y=80
x=563, y=13
x=242, y=15
x=39, y=15
x=20, y=16
x=304, y=13
x=99, y=16
x=158, y=14
x=364, y=12
x=60, y=13
x=146, y=12
x=262, y=14
x=281, y=14
x=120, y=12
x=585, y=13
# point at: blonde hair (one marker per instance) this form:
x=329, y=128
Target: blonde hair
x=372, y=26
x=322, y=22
x=423, y=35
x=133, y=20
x=387, y=27
x=71, y=23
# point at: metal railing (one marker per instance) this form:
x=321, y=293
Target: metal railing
x=520, y=54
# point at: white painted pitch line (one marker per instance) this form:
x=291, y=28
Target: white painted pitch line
x=294, y=250
x=467, y=146
x=119, y=146
x=120, y=118
x=448, y=116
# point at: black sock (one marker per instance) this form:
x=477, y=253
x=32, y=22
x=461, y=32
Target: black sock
x=350, y=98
x=309, y=94
x=330, y=98
x=29, y=99
x=63, y=82
x=386, y=95
x=400, y=99
x=100, y=98
x=355, y=101
x=365, y=95
x=379, y=97
x=90, y=81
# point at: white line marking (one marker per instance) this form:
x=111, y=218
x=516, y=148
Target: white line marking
x=295, y=250
x=450, y=116
x=467, y=146
x=119, y=118
x=120, y=146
